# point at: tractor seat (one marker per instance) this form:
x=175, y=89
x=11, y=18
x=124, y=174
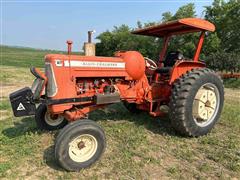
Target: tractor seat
x=163, y=70
x=169, y=62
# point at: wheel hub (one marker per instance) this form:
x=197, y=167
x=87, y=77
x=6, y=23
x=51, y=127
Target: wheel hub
x=53, y=120
x=81, y=145
x=205, y=104
x=82, y=148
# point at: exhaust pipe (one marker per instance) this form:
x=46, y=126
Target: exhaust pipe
x=89, y=47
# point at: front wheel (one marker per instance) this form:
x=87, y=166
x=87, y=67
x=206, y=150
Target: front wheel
x=47, y=121
x=79, y=145
x=196, y=102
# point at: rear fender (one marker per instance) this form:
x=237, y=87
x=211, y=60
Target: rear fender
x=181, y=67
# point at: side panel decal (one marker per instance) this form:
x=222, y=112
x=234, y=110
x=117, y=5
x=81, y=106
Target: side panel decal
x=96, y=64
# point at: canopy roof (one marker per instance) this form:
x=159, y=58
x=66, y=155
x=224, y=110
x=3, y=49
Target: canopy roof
x=181, y=26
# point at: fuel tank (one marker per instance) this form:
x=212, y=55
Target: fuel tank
x=128, y=64
x=134, y=63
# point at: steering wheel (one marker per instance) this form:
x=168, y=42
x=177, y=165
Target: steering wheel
x=150, y=64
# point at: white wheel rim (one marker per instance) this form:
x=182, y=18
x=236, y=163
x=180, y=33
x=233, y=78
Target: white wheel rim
x=206, y=104
x=82, y=148
x=53, y=121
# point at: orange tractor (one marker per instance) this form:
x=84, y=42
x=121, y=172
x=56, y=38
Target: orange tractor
x=74, y=85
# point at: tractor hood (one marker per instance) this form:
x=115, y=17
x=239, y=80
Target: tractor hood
x=129, y=65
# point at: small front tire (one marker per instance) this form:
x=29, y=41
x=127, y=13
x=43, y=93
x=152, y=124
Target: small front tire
x=46, y=121
x=79, y=145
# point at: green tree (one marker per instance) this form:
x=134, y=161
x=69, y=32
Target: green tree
x=225, y=16
x=167, y=16
x=223, y=46
x=185, y=43
x=185, y=11
x=120, y=38
x=223, y=61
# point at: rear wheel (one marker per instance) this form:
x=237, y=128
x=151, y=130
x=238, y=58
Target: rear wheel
x=79, y=145
x=47, y=121
x=196, y=102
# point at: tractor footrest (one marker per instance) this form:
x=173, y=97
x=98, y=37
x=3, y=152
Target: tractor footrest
x=106, y=98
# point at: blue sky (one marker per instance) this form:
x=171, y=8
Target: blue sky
x=47, y=25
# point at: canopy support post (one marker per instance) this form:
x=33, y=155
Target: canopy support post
x=199, y=46
x=163, y=51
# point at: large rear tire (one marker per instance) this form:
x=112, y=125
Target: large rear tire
x=46, y=121
x=79, y=145
x=196, y=102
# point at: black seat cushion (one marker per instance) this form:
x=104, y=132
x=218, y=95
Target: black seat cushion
x=171, y=58
x=169, y=62
x=163, y=70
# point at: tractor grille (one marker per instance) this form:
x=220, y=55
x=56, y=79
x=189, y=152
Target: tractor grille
x=51, y=89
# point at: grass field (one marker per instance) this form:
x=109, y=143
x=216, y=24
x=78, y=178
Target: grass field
x=138, y=146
